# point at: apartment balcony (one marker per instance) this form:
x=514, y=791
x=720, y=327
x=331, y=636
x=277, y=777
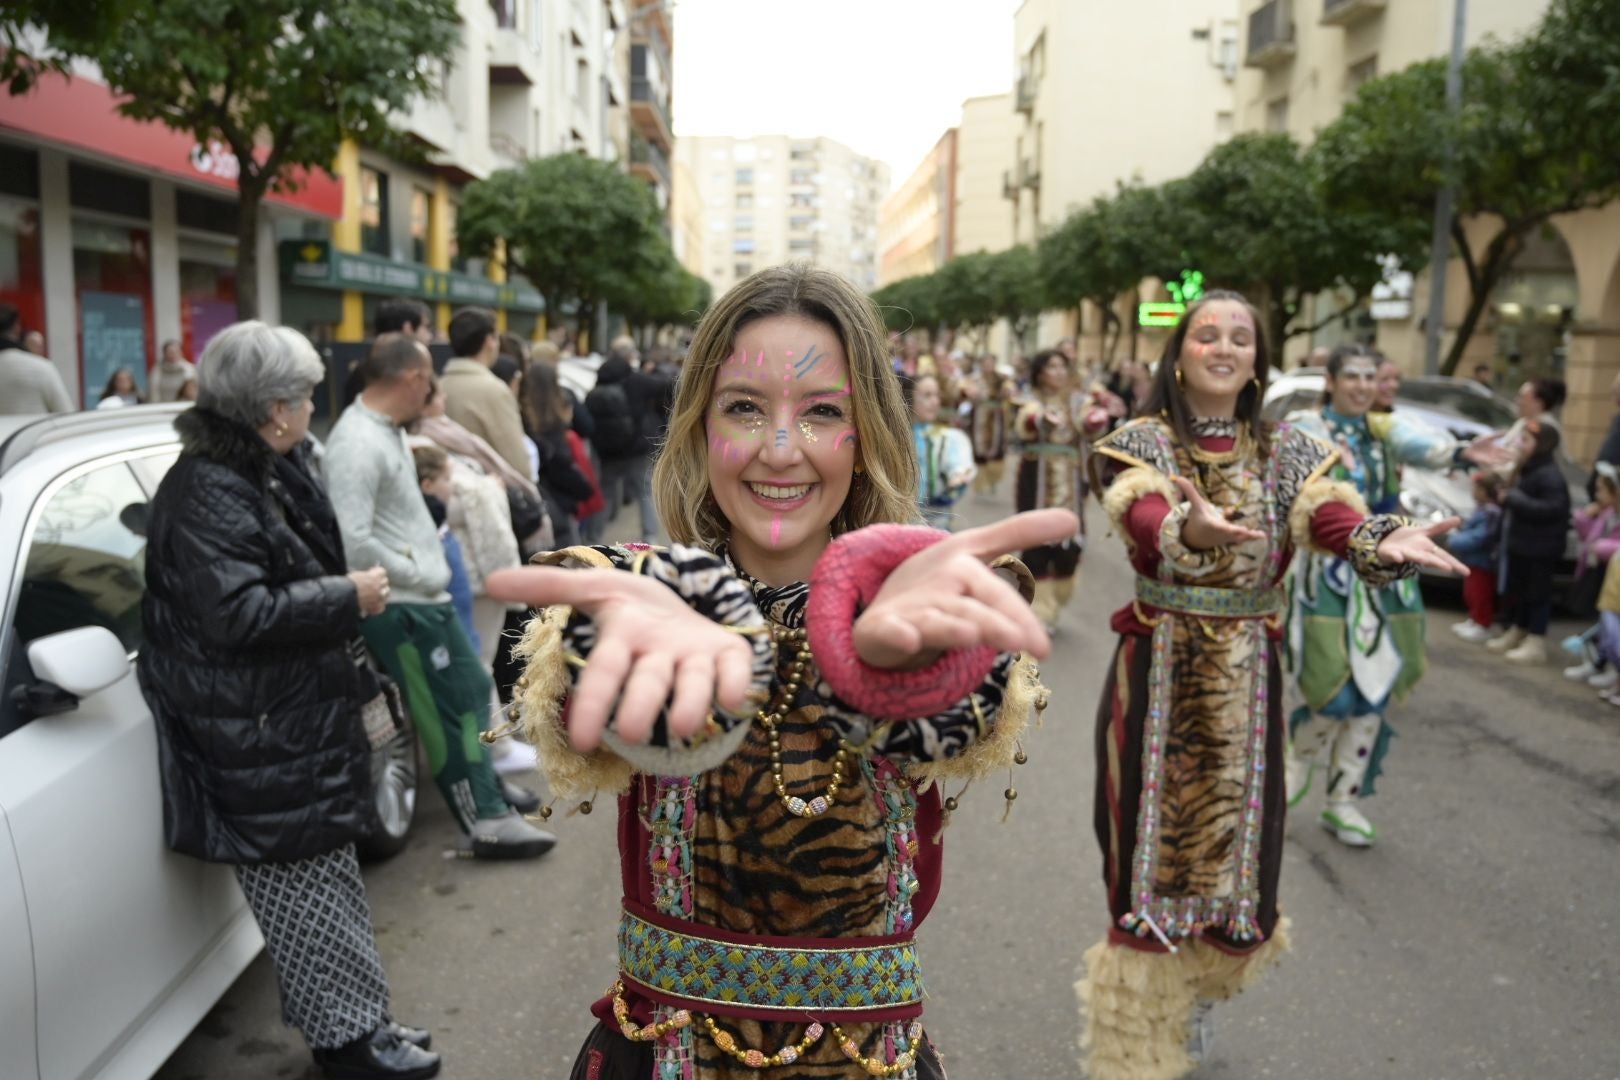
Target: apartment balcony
x=1026, y=94
x=1271, y=35
x=1029, y=174
x=1009, y=187
x=649, y=114
x=509, y=153
x=513, y=61
x=1350, y=12
x=648, y=161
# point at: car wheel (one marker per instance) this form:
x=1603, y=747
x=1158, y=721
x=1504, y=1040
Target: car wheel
x=393, y=795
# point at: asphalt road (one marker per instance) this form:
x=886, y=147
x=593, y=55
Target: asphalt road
x=1475, y=941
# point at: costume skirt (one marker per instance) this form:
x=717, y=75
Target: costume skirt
x=317, y=929
x=608, y=1055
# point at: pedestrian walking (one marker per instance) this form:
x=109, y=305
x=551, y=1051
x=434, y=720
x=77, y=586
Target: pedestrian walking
x=770, y=745
x=548, y=413
x=474, y=396
x=258, y=687
x=1212, y=504
x=1355, y=649
x=1049, y=428
x=991, y=395
x=1478, y=546
x=944, y=454
x=32, y=383
x=172, y=373
x=419, y=640
x=624, y=410
x=1534, y=534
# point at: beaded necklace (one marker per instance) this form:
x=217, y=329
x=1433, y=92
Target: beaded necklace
x=771, y=717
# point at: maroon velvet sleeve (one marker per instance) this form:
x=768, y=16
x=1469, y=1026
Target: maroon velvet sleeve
x=1142, y=522
x=1331, y=526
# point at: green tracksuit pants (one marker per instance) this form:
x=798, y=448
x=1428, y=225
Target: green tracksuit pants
x=447, y=691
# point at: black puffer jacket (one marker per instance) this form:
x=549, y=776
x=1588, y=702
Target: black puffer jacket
x=246, y=665
x=625, y=409
x=1537, y=524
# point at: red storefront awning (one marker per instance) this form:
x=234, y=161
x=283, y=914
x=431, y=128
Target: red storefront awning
x=83, y=114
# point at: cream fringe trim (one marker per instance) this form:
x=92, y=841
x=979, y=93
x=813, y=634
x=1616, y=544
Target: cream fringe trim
x=1135, y=1005
x=569, y=774
x=1133, y=484
x=994, y=752
x=1311, y=498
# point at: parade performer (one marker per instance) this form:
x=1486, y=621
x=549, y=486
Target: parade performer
x=1050, y=425
x=799, y=676
x=987, y=423
x=945, y=465
x=1212, y=504
x=1355, y=646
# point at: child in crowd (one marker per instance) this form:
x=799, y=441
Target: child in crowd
x=1609, y=625
x=433, y=473
x=1478, y=545
x=1597, y=527
x=944, y=454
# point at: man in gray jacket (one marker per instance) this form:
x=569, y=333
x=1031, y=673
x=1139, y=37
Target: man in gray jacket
x=29, y=384
x=385, y=522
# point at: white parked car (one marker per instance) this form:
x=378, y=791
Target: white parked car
x=112, y=948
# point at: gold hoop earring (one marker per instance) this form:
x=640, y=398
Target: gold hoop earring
x=1181, y=380
x=281, y=429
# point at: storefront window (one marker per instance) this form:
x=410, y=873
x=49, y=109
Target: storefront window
x=421, y=224
x=20, y=282
x=374, y=212
x=112, y=274
x=207, y=295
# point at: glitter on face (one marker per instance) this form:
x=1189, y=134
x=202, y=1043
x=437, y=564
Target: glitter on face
x=807, y=431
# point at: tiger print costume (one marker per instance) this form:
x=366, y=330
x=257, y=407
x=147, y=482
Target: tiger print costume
x=711, y=843
x=1187, y=812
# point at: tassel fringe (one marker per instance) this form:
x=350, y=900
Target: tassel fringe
x=568, y=773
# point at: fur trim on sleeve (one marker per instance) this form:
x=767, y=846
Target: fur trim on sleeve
x=1131, y=485
x=993, y=751
x=1311, y=498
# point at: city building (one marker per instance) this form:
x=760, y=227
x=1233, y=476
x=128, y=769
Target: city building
x=1111, y=93
x=116, y=236
x=771, y=199
x=917, y=222
x=652, y=77
x=1558, y=313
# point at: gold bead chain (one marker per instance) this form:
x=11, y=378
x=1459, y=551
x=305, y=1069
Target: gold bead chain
x=758, y=1059
x=871, y=1065
x=770, y=717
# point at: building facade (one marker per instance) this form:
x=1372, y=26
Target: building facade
x=772, y=199
x=1111, y=93
x=917, y=222
x=1558, y=313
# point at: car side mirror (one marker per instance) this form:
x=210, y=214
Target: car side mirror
x=69, y=667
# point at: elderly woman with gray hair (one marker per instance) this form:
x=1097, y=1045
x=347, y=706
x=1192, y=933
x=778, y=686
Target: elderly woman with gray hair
x=253, y=674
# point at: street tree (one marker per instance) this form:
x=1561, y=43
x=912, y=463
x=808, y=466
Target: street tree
x=1534, y=137
x=31, y=29
x=1017, y=293
x=282, y=83
x=580, y=230
x=965, y=294
x=1104, y=250
x=1252, y=217
x=911, y=303
x=661, y=293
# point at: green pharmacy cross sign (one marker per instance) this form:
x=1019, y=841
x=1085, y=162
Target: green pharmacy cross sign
x=1182, y=292
x=314, y=264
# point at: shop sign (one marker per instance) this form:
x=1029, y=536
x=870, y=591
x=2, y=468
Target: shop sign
x=313, y=263
x=1183, y=291
x=1159, y=314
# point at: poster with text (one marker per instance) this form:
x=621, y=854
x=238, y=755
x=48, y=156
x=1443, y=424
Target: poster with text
x=113, y=328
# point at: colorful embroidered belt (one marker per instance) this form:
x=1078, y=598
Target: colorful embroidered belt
x=688, y=965
x=1207, y=601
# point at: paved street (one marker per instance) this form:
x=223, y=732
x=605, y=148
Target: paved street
x=1476, y=941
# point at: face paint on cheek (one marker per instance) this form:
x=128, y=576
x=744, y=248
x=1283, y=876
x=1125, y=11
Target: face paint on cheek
x=776, y=530
x=807, y=431
x=845, y=438
x=781, y=437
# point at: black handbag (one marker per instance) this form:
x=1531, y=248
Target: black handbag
x=528, y=511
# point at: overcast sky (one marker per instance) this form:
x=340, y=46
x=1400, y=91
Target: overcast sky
x=883, y=77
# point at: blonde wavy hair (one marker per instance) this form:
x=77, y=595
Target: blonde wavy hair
x=886, y=489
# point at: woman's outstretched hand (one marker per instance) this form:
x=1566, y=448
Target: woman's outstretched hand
x=947, y=597
x=648, y=642
x=1207, y=526
x=1415, y=544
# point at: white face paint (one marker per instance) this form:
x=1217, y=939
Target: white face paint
x=1352, y=390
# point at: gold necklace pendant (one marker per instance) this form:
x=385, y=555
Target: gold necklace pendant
x=770, y=719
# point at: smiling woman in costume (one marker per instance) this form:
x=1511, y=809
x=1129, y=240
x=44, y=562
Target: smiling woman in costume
x=1189, y=801
x=777, y=756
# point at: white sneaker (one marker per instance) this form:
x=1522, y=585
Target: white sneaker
x=1348, y=824
x=1584, y=670
x=1604, y=680
x=1510, y=638
x=1532, y=650
x=1471, y=631
x=1611, y=697
x=512, y=756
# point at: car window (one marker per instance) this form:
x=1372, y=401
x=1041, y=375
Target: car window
x=150, y=469
x=84, y=565
x=1460, y=399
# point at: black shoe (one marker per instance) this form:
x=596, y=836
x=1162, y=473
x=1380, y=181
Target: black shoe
x=415, y=1036
x=382, y=1055
x=518, y=798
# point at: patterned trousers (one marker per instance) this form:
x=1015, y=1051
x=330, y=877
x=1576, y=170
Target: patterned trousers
x=317, y=929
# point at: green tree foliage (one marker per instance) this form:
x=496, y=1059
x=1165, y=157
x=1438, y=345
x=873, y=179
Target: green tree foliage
x=1104, y=250
x=579, y=229
x=1535, y=136
x=964, y=294
x=1017, y=292
x=910, y=304
x=1253, y=217
x=662, y=293
x=26, y=55
x=281, y=82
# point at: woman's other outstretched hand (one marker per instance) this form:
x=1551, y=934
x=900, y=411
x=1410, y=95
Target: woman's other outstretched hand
x=648, y=642
x=947, y=597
